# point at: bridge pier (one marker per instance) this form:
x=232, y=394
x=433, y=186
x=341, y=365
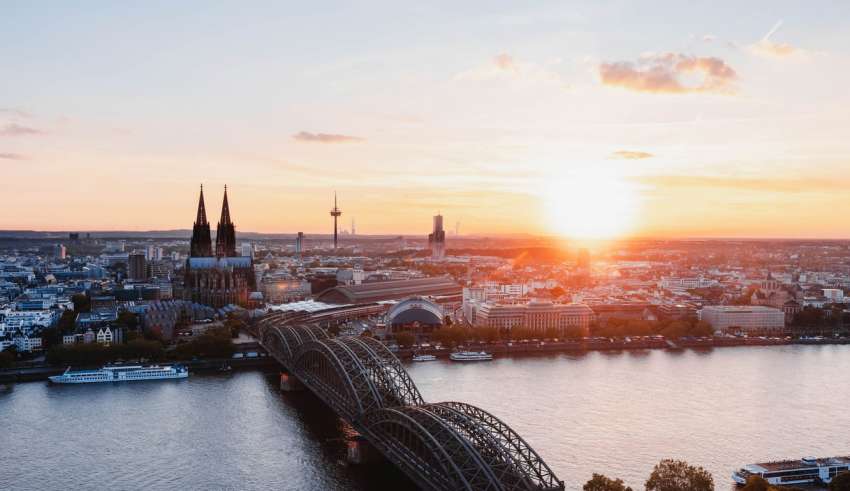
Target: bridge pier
x=289, y=383
x=362, y=452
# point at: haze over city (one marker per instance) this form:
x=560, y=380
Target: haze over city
x=578, y=119
x=485, y=245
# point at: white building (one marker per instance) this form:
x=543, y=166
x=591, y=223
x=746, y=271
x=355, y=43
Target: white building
x=679, y=283
x=247, y=249
x=104, y=335
x=835, y=295
x=537, y=315
x=749, y=319
x=26, y=343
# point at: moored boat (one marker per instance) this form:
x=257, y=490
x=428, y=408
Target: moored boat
x=125, y=373
x=808, y=470
x=424, y=358
x=471, y=356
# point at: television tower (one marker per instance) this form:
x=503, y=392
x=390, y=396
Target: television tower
x=335, y=212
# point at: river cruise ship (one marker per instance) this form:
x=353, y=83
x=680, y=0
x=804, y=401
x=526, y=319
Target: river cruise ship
x=808, y=470
x=121, y=374
x=471, y=356
x=424, y=358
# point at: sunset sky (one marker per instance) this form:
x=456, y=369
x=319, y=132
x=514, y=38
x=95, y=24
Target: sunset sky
x=576, y=118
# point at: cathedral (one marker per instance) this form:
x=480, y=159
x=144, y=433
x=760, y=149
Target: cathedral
x=216, y=278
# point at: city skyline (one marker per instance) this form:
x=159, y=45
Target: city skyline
x=575, y=120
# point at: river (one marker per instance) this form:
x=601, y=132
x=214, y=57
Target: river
x=615, y=413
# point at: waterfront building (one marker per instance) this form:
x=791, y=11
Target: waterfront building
x=109, y=335
x=437, y=239
x=537, y=315
x=677, y=311
x=623, y=310
x=27, y=344
x=749, y=319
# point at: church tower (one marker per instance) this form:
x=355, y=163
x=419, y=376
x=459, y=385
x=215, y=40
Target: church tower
x=201, y=244
x=225, y=235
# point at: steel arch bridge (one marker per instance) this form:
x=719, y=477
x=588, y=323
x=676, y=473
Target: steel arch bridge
x=440, y=446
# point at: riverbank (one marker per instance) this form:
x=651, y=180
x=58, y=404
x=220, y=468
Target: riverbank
x=532, y=347
x=37, y=373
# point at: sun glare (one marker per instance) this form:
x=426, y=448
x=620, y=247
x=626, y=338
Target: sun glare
x=590, y=205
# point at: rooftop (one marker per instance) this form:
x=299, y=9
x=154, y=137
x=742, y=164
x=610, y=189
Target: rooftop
x=389, y=290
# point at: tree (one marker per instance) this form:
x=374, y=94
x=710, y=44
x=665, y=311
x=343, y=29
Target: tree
x=50, y=337
x=67, y=321
x=678, y=475
x=757, y=483
x=603, y=483
x=127, y=319
x=7, y=359
x=405, y=339
x=841, y=482
x=82, y=303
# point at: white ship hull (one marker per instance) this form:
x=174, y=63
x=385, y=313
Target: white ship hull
x=121, y=374
x=471, y=356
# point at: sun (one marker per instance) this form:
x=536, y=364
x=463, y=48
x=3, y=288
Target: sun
x=590, y=204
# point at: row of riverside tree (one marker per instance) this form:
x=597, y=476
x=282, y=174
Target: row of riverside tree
x=677, y=475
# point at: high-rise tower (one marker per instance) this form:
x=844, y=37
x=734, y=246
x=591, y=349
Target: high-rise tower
x=225, y=234
x=201, y=244
x=437, y=239
x=335, y=212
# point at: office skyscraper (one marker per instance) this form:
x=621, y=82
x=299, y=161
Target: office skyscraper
x=437, y=239
x=299, y=243
x=137, y=267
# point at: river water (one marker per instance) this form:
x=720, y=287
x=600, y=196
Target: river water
x=614, y=413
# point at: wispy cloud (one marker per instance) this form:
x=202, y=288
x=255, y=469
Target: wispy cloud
x=768, y=184
x=15, y=112
x=306, y=136
x=14, y=129
x=506, y=67
x=661, y=73
x=766, y=47
x=11, y=156
x=631, y=155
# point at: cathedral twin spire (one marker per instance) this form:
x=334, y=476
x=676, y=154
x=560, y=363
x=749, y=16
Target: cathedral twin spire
x=225, y=240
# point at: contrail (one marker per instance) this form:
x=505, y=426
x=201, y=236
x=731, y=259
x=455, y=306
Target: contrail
x=772, y=30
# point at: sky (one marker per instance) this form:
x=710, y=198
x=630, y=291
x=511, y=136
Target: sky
x=582, y=118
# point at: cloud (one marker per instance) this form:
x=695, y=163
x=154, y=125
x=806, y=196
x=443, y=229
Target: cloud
x=663, y=73
x=15, y=112
x=14, y=129
x=305, y=136
x=766, y=47
x=766, y=184
x=631, y=155
x=11, y=156
x=709, y=38
x=505, y=68
x=505, y=62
